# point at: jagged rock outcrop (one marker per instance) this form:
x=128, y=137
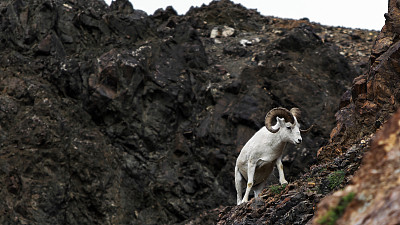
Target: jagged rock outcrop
x=111, y=116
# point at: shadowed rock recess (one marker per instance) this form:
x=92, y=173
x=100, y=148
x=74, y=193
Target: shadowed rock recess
x=112, y=116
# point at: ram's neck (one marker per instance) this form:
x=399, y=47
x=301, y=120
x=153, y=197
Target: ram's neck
x=273, y=141
x=277, y=145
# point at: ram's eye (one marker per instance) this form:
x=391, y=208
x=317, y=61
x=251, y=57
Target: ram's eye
x=289, y=128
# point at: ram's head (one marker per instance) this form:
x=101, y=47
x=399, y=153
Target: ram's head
x=286, y=124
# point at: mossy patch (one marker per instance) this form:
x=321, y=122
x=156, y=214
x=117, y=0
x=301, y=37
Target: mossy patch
x=335, y=213
x=277, y=189
x=336, y=178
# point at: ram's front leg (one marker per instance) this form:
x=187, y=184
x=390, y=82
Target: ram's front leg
x=251, y=169
x=279, y=164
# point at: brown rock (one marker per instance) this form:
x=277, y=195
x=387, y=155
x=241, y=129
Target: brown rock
x=376, y=187
x=359, y=86
x=382, y=45
x=368, y=107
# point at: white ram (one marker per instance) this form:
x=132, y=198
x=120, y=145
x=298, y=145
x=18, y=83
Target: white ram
x=264, y=150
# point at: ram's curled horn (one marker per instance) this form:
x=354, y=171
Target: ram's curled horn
x=296, y=113
x=306, y=130
x=277, y=112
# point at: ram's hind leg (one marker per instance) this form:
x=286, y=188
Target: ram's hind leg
x=240, y=183
x=251, y=169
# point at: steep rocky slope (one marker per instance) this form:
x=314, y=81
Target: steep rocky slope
x=111, y=116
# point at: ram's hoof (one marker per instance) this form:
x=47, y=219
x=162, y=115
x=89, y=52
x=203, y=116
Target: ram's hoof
x=283, y=182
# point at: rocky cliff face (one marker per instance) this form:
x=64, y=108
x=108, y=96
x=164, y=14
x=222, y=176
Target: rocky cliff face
x=111, y=116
